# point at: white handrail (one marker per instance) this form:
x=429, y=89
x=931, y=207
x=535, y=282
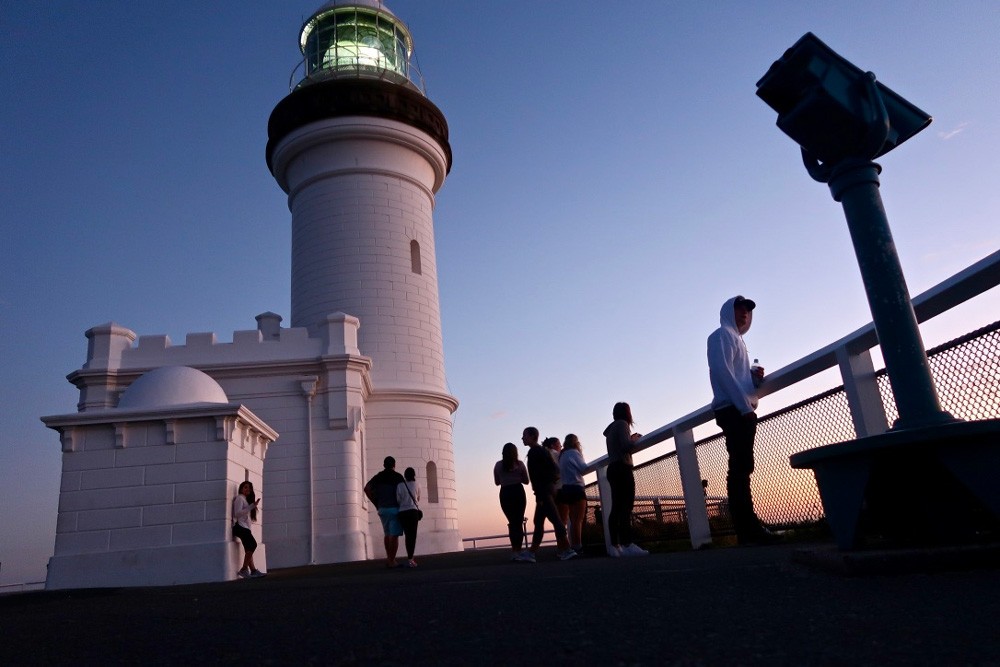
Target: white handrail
x=852, y=354
x=977, y=279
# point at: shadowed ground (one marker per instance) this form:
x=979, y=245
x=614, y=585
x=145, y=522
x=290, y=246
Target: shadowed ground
x=726, y=606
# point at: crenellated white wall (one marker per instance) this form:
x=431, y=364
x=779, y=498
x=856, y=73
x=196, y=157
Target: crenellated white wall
x=316, y=393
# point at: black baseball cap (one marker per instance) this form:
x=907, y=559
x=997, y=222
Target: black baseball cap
x=743, y=301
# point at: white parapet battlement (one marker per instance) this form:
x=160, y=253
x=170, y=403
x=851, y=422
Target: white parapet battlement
x=111, y=345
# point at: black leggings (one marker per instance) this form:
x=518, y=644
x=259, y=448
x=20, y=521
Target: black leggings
x=513, y=502
x=408, y=519
x=246, y=537
x=622, y=483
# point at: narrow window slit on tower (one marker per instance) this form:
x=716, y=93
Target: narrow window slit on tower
x=415, y=256
x=432, y=482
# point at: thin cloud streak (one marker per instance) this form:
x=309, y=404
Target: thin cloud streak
x=945, y=136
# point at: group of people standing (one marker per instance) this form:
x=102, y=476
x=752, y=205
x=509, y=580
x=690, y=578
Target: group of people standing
x=395, y=496
x=555, y=471
x=552, y=491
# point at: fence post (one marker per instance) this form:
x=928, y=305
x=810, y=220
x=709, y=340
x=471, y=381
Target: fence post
x=694, y=493
x=867, y=410
x=605, y=490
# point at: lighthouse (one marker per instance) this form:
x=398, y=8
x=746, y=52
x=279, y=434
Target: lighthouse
x=165, y=433
x=361, y=153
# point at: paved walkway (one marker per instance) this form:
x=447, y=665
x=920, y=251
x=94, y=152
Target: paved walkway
x=726, y=606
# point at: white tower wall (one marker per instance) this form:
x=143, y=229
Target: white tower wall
x=361, y=191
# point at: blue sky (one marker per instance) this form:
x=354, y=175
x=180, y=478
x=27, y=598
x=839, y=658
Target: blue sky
x=615, y=179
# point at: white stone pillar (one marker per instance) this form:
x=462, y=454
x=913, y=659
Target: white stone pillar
x=694, y=492
x=863, y=397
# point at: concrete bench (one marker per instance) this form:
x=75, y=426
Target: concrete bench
x=933, y=485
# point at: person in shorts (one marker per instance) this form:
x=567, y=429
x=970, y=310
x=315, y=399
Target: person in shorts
x=572, y=494
x=381, y=490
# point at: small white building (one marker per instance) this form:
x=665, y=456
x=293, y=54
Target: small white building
x=147, y=486
x=359, y=375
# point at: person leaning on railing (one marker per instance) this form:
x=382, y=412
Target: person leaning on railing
x=734, y=390
x=621, y=442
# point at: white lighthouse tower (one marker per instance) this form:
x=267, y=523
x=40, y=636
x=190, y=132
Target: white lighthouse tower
x=361, y=152
x=149, y=473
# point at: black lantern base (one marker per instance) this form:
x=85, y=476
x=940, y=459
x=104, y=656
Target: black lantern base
x=928, y=486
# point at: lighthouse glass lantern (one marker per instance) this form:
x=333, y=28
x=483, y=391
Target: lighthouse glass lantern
x=355, y=40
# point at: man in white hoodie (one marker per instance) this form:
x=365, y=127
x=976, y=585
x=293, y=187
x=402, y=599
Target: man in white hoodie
x=734, y=399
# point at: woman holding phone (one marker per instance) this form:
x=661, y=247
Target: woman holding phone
x=244, y=511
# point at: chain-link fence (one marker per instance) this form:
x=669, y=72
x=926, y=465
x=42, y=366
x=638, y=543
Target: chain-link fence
x=967, y=376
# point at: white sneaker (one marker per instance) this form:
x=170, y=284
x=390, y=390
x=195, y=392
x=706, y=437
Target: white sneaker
x=614, y=552
x=566, y=555
x=634, y=550
x=244, y=573
x=527, y=557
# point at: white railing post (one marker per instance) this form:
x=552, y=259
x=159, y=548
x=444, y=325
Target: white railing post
x=867, y=410
x=604, y=488
x=694, y=492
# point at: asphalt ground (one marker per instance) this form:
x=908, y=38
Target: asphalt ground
x=722, y=606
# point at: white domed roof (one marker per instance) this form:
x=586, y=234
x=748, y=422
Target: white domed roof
x=172, y=385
